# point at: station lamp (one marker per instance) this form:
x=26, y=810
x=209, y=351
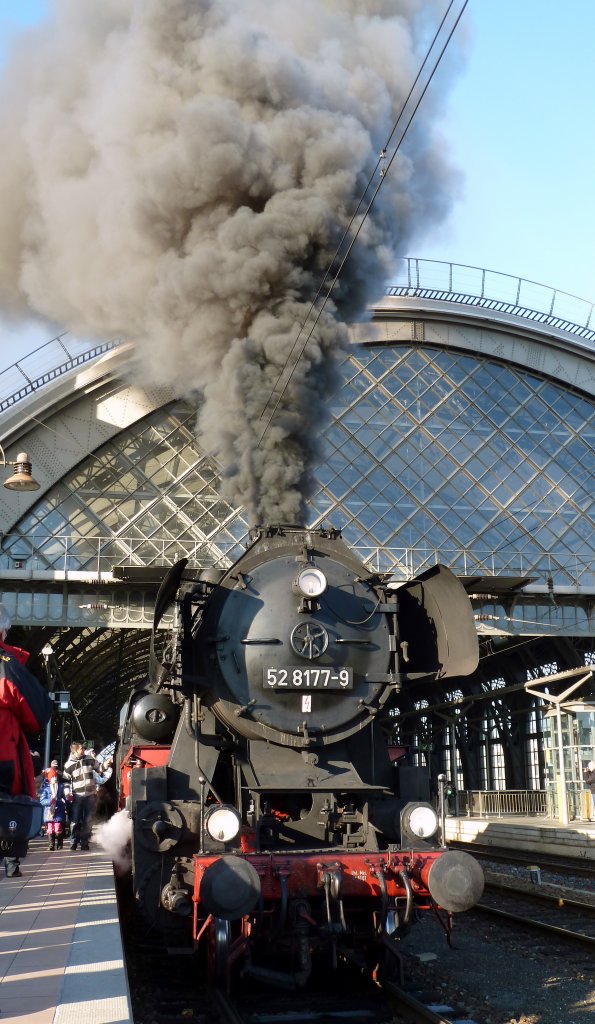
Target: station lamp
x=22, y=478
x=62, y=698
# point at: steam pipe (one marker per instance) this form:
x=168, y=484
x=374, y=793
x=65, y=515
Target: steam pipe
x=404, y=877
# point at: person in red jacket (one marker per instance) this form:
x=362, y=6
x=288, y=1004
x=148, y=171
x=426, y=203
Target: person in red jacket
x=24, y=707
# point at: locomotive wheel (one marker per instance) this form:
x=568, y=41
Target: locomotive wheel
x=218, y=951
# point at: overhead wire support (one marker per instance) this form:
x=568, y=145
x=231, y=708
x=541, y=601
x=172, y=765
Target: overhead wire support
x=384, y=169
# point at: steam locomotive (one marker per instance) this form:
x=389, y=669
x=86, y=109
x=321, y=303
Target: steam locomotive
x=270, y=821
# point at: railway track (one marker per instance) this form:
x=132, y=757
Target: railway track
x=346, y=998
x=302, y=1010
x=169, y=992
x=566, y=918
x=168, y=986
x=389, y=1004
x=568, y=865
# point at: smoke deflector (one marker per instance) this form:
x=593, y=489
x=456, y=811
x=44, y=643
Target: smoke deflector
x=437, y=634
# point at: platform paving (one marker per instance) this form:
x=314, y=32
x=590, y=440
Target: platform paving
x=542, y=835
x=61, y=958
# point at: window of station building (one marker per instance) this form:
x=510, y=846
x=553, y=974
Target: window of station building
x=534, y=763
x=497, y=764
x=482, y=382
x=534, y=747
x=140, y=488
x=551, y=668
x=450, y=761
x=493, y=766
x=459, y=781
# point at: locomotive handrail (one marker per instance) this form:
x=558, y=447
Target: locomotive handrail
x=41, y=551
x=497, y=292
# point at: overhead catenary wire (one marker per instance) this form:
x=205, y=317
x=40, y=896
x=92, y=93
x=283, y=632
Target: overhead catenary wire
x=378, y=164
x=383, y=173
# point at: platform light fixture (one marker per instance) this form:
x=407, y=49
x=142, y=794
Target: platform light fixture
x=46, y=652
x=22, y=478
x=62, y=698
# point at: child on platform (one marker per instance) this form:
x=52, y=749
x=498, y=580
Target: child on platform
x=53, y=800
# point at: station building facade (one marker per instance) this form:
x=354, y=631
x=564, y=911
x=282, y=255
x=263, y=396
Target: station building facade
x=463, y=433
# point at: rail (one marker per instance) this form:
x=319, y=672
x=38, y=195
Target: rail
x=496, y=292
x=40, y=550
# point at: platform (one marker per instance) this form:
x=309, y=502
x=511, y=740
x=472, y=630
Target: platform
x=542, y=835
x=61, y=958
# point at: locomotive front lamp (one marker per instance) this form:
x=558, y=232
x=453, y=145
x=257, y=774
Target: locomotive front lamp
x=420, y=820
x=22, y=479
x=223, y=823
x=311, y=582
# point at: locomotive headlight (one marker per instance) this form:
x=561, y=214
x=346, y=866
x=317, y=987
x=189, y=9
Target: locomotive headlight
x=311, y=582
x=420, y=820
x=223, y=823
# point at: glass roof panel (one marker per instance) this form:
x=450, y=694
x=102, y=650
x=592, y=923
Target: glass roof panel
x=500, y=456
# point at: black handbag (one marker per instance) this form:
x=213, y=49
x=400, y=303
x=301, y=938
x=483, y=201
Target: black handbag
x=20, y=819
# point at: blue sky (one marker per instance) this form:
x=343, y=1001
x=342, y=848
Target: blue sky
x=519, y=126
x=17, y=14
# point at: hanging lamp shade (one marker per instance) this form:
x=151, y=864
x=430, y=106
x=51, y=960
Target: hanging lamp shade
x=22, y=478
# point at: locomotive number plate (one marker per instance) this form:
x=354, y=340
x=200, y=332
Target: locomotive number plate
x=308, y=678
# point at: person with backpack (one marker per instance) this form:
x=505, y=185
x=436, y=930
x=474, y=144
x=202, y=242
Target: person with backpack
x=25, y=707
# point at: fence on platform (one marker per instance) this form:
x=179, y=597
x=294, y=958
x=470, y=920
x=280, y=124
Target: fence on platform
x=524, y=803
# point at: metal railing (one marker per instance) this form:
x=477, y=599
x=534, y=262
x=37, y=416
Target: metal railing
x=431, y=279
x=37, y=552
x=496, y=292
x=46, y=364
x=563, y=567
x=522, y=803
x=68, y=552
x=506, y=803
x=577, y=801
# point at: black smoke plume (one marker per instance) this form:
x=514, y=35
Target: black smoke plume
x=179, y=173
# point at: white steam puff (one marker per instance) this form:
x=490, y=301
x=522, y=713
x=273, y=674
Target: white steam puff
x=114, y=836
x=179, y=173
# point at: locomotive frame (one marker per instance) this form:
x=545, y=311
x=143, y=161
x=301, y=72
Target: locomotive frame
x=269, y=822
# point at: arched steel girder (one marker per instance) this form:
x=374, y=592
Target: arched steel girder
x=97, y=667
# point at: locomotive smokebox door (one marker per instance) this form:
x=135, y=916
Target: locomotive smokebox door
x=299, y=646
x=437, y=634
